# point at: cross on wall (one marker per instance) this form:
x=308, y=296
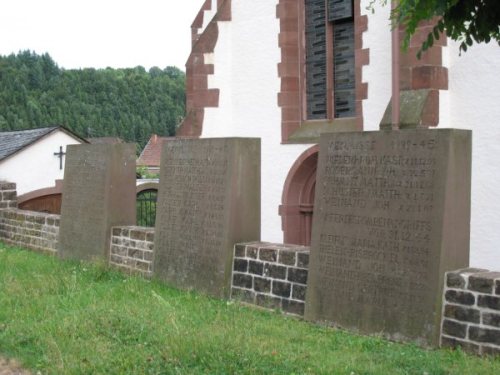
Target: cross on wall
x=60, y=154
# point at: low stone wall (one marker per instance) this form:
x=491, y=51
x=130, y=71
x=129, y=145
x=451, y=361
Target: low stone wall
x=270, y=275
x=32, y=230
x=8, y=195
x=471, y=311
x=131, y=249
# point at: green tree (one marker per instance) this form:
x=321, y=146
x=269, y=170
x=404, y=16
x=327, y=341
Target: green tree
x=465, y=21
x=129, y=103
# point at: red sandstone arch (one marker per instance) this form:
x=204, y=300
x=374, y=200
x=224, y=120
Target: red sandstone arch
x=297, y=200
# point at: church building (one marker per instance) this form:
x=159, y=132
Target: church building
x=287, y=70
x=34, y=160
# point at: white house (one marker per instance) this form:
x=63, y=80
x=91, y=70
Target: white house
x=286, y=70
x=34, y=159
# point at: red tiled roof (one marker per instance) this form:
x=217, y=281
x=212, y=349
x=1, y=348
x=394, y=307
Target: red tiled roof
x=151, y=154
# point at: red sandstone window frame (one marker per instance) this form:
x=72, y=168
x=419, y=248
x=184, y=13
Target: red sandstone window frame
x=295, y=127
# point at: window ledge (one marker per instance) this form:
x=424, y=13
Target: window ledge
x=310, y=131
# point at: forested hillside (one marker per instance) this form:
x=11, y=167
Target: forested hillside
x=129, y=103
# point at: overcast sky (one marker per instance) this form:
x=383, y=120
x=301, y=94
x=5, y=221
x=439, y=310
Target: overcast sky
x=100, y=33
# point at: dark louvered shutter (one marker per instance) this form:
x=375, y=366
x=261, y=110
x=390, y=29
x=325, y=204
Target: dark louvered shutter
x=316, y=59
x=339, y=10
x=344, y=73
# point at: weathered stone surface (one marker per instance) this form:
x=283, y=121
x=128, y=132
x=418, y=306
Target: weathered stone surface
x=239, y=251
x=299, y=292
x=483, y=282
x=7, y=185
x=491, y=319
x=287, y=257
x=462, y=313
x=463, y=298
x=98, y=194
x=297, y=275
x=455, y=280
x=489, y=302
x=138, y=235
x=303, y=260
x=497, y=288
x=252, y=252
x=281, y=289
x=256, y=268
x=240, y=265
x=413, y=106
x=455, y=329
x=275, y=271
x=392, y=215
x=132, y=257
x=209, y=200
x=262, y=285
x=270, y=255
x=484, y=335
x=242, y=280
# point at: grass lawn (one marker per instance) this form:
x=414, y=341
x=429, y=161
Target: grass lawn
x=68, y=318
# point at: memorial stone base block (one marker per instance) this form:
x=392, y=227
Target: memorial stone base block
x=209, y=200
x=98, y=193
x=392, y=215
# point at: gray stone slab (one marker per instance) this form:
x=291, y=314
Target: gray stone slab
x=392, y=215
x=208, y=200
x=98, y=193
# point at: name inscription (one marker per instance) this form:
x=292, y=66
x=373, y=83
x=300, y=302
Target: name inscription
x=375, y=203
x=192, y=212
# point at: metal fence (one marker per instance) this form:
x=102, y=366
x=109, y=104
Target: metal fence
x=146, y=207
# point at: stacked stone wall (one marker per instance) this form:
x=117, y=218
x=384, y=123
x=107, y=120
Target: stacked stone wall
x=131, y=249
x=8, y=195
x=32, y=230
x=471, y=311
x=272, y=276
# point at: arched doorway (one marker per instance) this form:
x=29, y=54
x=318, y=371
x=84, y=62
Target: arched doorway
x=297, y=200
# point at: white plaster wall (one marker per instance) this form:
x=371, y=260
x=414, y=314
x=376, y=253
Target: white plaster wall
x=36, y=166
x=444, y=95
x=246, y=59
x=474, y=103
x=378, y=73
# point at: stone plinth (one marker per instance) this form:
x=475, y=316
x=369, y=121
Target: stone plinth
x=471, y=314
x=272, y=276
x=392, y=215
x=98, y=193
x=208, y=200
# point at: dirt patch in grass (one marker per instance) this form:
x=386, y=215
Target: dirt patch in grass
x=10, y=367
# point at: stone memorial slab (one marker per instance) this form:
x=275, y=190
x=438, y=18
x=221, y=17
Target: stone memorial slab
x=392, y=214
x=208, y=200
x=98, y=193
